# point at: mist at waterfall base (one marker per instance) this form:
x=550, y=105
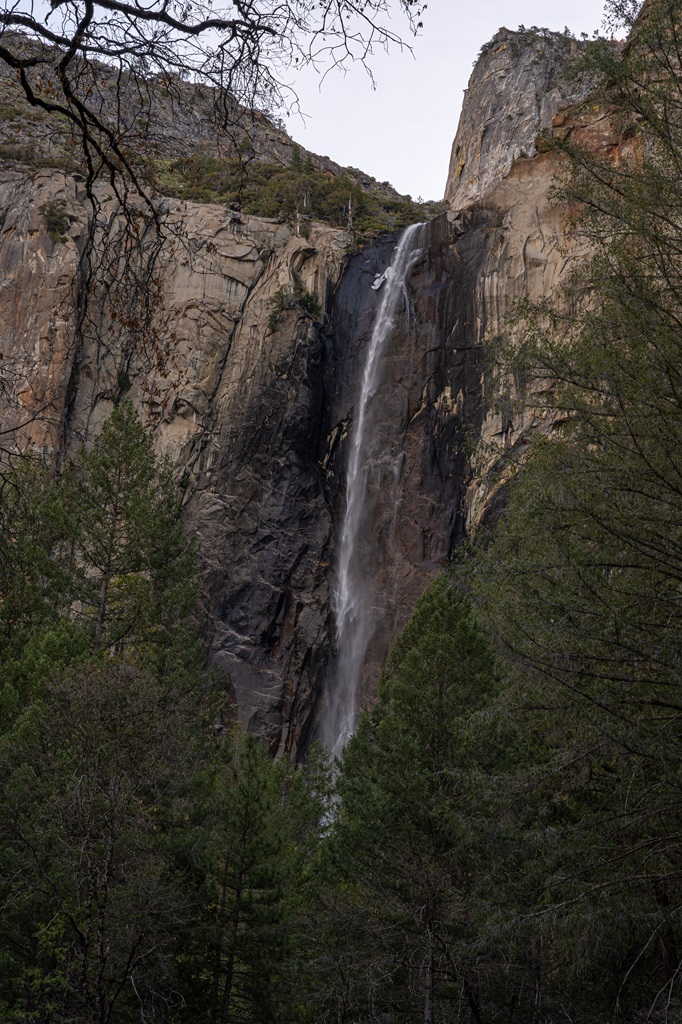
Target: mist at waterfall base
x=353, y=597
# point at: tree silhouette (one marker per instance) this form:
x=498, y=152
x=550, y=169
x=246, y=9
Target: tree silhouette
x=93, y=64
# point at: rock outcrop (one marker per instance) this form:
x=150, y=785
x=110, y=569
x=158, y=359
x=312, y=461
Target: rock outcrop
x=523, y=90
x=165, y=121
x=252, y=398
x=519, y=84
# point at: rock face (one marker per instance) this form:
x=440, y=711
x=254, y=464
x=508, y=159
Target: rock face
x=253, y=399
x=234, y=402
x=517, y=87
x=427, y=399
x=523, y=87
x=168, y=120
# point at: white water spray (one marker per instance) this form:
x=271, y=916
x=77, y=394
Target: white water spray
x=352, y=598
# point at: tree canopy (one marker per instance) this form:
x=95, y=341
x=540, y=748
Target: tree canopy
x=504, y=843
x=581, y=580
x=151, y=855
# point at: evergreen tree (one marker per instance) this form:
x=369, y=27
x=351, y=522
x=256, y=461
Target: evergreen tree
x=34, y=579
x=31, y=526
x=99, y=732
x=94, y=562
x=150, y=867
x=412, y=843
x=582, y=579
x=133, y=570
x=257, y=828
x=90, y=776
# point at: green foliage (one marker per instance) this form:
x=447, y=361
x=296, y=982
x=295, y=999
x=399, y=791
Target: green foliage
x=147, y=867
x=581, y=581
x=153, y=860
x=32, y=520
x=268, y=190
x=505, y=841
x=281, y=300
x=414, y=838
x=94, y=562
x=255, y=825
x=597, y=586
x=298, y=298
x=133, y=571
x=89, y=902
x=29, y=153
x=56, y=219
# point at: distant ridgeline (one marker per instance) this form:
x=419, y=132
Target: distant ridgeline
x=181, y=146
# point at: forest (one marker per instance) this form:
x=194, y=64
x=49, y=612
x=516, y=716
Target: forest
x=501, y=840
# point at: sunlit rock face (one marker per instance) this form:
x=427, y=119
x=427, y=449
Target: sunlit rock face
x=255, y=412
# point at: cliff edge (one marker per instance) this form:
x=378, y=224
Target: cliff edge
x=519, y=84
x=252, y=392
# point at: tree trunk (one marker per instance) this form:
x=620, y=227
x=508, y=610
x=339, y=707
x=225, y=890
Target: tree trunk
x=428, y=979
x=670, y=957
x=229, y=971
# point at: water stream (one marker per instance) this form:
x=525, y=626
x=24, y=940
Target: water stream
x=353, y=597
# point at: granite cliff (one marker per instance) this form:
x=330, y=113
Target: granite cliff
x=251, y=392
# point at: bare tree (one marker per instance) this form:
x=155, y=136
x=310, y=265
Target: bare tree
x=90, y=63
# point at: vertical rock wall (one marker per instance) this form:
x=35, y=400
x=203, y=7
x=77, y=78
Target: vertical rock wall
x=255, y=411
x=426, y=402
x=519, y=84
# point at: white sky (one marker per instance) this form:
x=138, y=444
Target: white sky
x=402, y=131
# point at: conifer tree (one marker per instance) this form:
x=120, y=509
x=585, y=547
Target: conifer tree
x=31, y=526
x=412, y=842
x=152, y=864
x=91, y=774
x=256, y=825
x=582, y=580
x=94, y=561
x=134, y=576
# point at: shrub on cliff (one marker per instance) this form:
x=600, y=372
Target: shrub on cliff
x=296, y=297
x=268, y=190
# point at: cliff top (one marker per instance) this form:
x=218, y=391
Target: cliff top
x=184, y=143
x=517, y=87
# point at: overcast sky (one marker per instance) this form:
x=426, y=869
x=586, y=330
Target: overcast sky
x=403, y=130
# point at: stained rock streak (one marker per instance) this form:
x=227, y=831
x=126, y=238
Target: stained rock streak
x=258, y=413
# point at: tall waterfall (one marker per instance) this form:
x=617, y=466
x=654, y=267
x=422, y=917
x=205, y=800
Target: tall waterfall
x=352, y=597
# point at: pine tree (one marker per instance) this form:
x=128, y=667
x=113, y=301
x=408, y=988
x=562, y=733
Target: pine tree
x=31, y=526
x=91, y=774
x=256, y=827
x=94, y=562
x=412, y=842
x=582, y=580
x=133, y=570
x=34, y=579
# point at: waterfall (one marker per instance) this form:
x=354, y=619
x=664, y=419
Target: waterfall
x=352, y=596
